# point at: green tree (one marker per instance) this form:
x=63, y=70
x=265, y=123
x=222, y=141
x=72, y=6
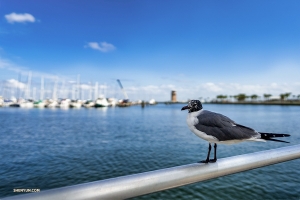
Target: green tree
x=222, y=97
x=254, y=97
x=287, y=94
x=219, y=96
x=241, y=97
x=267, y=96
x=284, y=96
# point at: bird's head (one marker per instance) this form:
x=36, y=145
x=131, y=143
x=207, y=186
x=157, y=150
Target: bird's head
x=193, y=106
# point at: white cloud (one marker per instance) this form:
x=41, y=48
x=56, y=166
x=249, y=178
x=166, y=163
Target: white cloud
x=85, y=87
x=12, y=83
x=212, y=87
x=6, y=64
x=19, y=18
x=102, y=86
x=103, y=46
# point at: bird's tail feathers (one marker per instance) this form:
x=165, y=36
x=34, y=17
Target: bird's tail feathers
x=270, y=136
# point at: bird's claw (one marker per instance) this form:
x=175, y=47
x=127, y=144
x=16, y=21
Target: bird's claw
x=208, y=161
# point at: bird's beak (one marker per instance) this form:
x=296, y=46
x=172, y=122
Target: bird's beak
x=185, y=107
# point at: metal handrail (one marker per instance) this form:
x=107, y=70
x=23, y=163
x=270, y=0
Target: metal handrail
x=154, y=181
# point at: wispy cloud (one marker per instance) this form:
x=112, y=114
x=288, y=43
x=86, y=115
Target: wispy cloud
x=212, y=87
x=10, y=66
x=103, y=46
x=12, y=83
x=6, y=64
x=19, y=18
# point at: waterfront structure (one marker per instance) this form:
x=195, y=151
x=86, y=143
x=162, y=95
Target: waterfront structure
x=173, y=96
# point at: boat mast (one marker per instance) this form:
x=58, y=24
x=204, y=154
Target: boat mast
x=54, y=94
x=27, y=91
x=96, y=90
x=90, y=91
x=42, y=89
x=78, y=86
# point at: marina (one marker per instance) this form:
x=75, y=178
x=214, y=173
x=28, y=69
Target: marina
x=26, y=97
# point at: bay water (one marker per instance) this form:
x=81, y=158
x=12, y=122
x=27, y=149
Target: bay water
x=51, y=148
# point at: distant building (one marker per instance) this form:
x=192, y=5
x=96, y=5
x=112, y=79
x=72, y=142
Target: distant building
x=173, y=96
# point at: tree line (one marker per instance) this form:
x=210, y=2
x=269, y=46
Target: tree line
x=253, y=97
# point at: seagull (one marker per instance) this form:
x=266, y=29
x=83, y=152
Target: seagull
x=219, y=129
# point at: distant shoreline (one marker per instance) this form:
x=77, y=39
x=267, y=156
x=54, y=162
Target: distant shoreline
x=282, y=103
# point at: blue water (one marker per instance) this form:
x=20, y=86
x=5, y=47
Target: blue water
x=50, y=148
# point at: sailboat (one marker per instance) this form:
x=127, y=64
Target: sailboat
x=64, y=103
x=101, y=102
x=28, y=103
x=88, y=104
x=51, y=103
x=39, y=104
x=75, y=104
x=152, y=102
x=1, y=101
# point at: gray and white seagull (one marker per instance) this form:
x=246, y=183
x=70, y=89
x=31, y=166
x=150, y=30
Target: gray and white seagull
x=219, y=129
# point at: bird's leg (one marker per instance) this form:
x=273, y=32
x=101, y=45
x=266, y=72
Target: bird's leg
x=215, y=154
x=207, y=159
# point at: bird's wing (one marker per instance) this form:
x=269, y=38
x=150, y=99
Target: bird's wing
x=222, y=127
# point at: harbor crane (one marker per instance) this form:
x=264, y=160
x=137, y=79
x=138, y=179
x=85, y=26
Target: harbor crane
x=126, y=100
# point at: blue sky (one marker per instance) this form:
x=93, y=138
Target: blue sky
x=198, y=48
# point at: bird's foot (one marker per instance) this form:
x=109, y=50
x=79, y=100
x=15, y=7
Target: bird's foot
x=208, y=161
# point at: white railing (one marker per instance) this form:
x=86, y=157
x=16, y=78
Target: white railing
x=154, y=181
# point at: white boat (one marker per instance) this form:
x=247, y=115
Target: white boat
x=124, y=103
x=13, y=102
x=1, y=101
x=112, y=101
x=7, y=103
x=26, y=104
x=152, y=102
x=101, y=102
x=89, y=104
x=52, y=103
x=64, y=103
x=39, y=104
x=75, y=104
